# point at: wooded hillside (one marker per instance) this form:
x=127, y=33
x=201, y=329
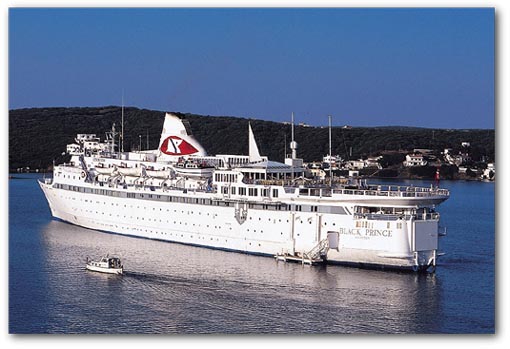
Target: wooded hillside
x=37, y=136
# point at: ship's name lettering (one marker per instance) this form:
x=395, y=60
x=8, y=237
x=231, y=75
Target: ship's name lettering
x=378, y=232
x=366, y=232
x=345, y=231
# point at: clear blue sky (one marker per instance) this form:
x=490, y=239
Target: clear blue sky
x=365, y=67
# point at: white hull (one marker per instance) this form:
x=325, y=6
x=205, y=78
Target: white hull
x=410, y=245
x=116, y=271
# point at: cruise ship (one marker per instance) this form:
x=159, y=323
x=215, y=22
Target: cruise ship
x=242, y=203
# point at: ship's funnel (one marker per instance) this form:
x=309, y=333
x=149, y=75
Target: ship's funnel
x=176, y=140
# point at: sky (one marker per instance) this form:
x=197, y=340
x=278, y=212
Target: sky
x=365, y=67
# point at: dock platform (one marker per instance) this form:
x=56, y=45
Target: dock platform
x=285, y=257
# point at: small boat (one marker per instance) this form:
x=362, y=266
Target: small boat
x=193, y=169
x=101, y=169
x=108, y=265
x=130, y=171
x=157, y=173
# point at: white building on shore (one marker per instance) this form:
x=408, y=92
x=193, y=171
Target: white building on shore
x=413, y=160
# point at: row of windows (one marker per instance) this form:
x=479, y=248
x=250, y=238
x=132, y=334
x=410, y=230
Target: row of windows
x=370, y=225
x=204, y=201
x=225, y=177
x=365, y=224
x=251, y=191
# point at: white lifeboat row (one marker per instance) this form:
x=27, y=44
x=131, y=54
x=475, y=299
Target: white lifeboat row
x=184, y=169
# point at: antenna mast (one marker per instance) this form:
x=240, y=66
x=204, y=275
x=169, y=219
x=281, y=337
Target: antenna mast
x=330, y=159
x=122, y=124
x=293, y=144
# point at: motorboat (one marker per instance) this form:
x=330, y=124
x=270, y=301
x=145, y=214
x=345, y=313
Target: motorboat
x=107, y=264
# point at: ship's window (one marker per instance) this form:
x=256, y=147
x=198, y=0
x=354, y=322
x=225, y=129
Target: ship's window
x=275, y=193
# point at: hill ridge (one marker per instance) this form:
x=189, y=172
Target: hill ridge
x=37, y=136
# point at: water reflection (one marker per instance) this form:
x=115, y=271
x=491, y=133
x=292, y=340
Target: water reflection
x=173, y=288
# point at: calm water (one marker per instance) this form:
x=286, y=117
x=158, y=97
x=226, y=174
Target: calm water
x=172, y=288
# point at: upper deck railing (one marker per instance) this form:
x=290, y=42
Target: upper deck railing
x=395, y=217
x=380, y=190
x=394, y=191
x=343, y=186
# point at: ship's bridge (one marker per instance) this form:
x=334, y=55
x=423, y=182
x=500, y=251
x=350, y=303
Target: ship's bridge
x=252, y=173
x=270, y=170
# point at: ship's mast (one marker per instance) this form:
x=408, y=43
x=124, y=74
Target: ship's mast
x=110, y=136
x=293, y=145
x=330, y=162
x=122, y=125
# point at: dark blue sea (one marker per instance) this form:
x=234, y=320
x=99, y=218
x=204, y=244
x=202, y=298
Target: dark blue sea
x=172, y=288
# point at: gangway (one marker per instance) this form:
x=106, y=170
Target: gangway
x=316, y=255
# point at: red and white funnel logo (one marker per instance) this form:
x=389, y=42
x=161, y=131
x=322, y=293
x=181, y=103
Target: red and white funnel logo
x=175, y=145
